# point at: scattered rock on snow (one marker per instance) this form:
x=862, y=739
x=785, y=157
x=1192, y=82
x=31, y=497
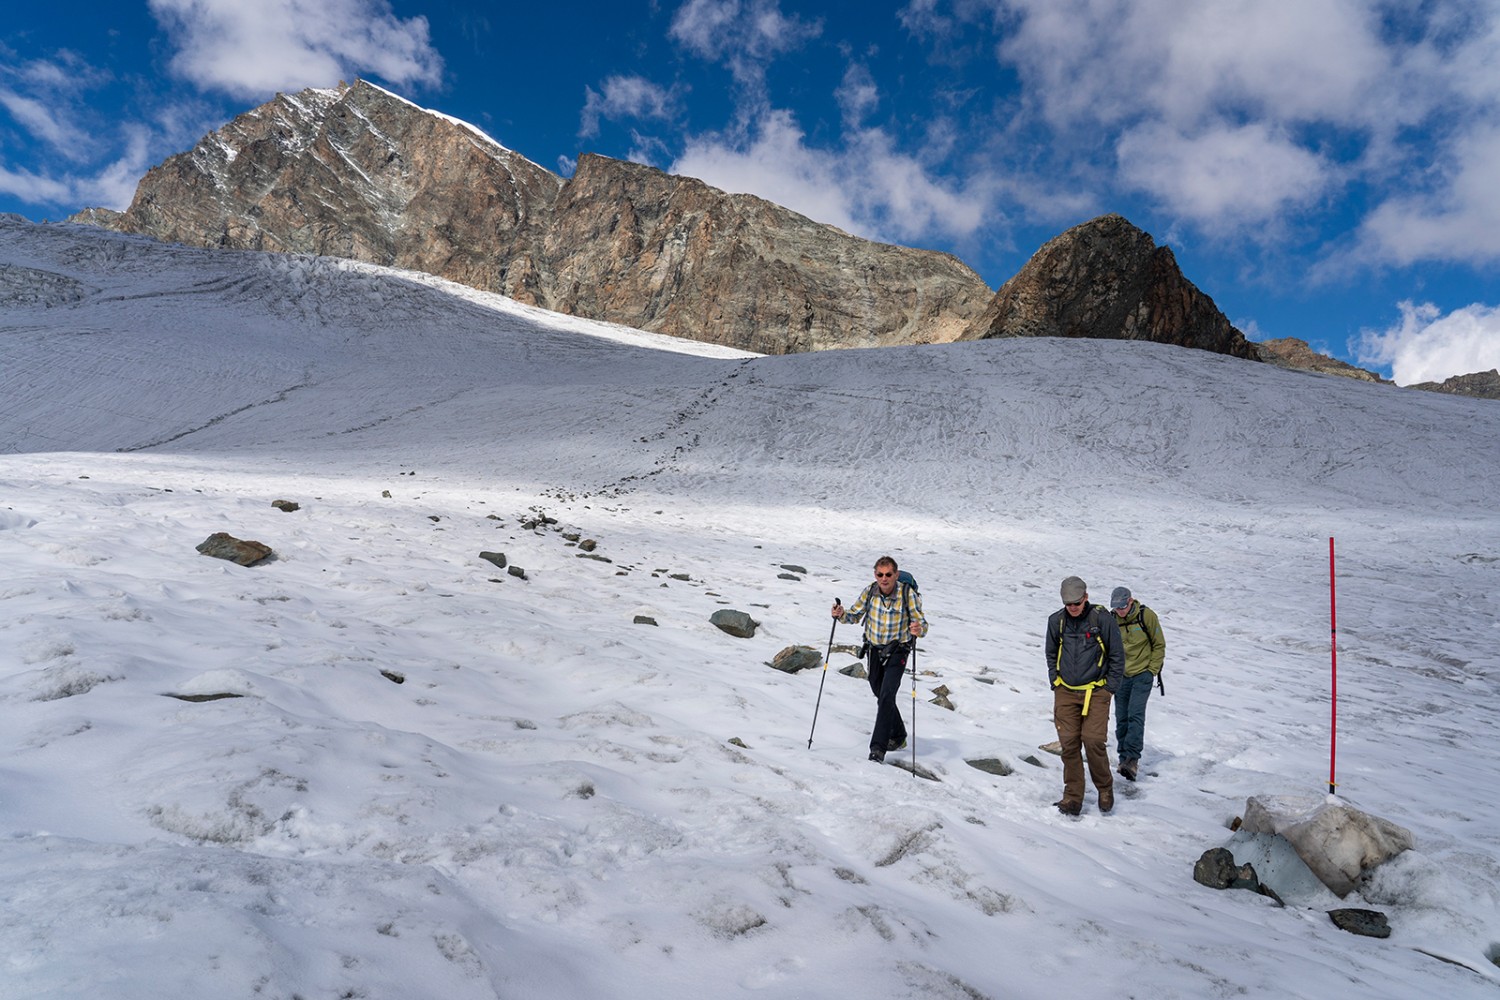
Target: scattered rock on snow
x=736, y=623
x=1217, y=870
x=1054, y=747
x=792, y=568
x=795, y=658
x=906, y=765
x=516, y=571
x=941, y=700
x=222, y=545
x=993, y=765
x=498, y=558
x=285, y=506
x=1366, y=923
x=644, y=620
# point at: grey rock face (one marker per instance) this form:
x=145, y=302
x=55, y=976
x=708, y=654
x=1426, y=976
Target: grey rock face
x=634, y=245
x=359, y=173
x=1109, y=280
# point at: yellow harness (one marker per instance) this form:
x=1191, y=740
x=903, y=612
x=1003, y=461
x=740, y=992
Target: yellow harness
x=1088, y=687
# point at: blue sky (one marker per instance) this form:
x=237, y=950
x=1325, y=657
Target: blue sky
x=1325, y=170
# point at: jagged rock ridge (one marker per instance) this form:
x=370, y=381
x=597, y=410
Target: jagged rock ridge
x=1108, y=279
x=357, y=172
x=1290, y=352
x=1480, y=385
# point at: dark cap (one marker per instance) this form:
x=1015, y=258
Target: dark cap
x=1074, y=590
x=1119, y=599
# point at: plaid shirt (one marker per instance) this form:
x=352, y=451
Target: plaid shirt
x=887, y=615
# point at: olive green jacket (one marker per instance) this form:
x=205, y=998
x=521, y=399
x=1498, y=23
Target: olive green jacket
x=1145, y=646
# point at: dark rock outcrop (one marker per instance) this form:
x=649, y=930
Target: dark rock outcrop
x=359, y=173
x=1107, y=279
x=1480, y=385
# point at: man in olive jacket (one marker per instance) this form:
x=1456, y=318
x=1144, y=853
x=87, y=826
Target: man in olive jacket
x=1085, y=665
x=1145, y=652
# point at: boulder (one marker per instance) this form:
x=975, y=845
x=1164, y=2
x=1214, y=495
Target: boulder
x=795, y=658
x=1338, y=842
x=222, y=545
x=736, y=623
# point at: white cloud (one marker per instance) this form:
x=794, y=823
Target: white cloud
x=33, y=188
x=46, y=120
x=626, y=97
x=868, y=188
x=1459, y=220
x=858, y=96
x=1319, y=94
x=1223, y=174
x=250, y=50
x=743, y=35
x=1427, y=346
x=1113, y=61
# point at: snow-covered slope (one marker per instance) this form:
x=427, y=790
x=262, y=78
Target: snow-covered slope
x=547, y=803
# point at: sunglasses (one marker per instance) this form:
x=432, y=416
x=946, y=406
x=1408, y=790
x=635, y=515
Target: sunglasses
x=1077, y=604
x=884, y=576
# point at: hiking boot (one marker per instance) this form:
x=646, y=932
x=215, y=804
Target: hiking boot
x=1128, y=768
x=878, y=756
x=1106, y=800
x=895, y=745
x=1068, y=808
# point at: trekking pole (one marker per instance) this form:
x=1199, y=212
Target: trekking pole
x=914, y=708
x=819, y=702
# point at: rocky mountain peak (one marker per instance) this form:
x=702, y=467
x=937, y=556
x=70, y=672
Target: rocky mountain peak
x=354, y=172
x=1108, y=279
x=358, y=172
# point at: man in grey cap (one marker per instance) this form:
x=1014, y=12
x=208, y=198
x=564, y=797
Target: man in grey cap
x=1085, y=664
x=1145, y=652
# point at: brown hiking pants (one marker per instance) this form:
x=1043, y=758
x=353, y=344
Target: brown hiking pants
x=1086, y=733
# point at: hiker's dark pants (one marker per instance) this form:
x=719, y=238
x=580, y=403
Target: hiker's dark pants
x=1130, y=714
x=887, y=664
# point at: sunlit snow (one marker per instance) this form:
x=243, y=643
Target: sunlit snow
x=380, y=766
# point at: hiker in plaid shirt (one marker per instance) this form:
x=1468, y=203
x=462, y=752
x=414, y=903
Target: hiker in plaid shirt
x=892, y=613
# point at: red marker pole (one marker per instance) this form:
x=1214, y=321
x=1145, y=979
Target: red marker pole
x=1333, y=624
